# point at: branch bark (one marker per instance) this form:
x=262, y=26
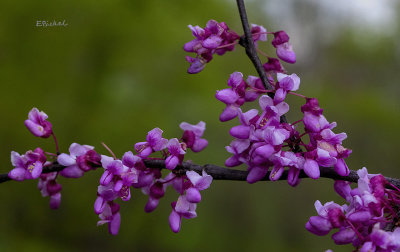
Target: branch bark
x=223, y=173
x=251, y=52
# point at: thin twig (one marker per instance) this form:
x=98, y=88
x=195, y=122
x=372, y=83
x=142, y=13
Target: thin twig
x=251, y=51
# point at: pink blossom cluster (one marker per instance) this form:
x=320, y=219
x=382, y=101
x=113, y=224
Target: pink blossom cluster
x=214, y=38
x=120, y=175
x=82, y=158
x=131, y=171
x=367, y=220
x=217, y=38
x=264, y=141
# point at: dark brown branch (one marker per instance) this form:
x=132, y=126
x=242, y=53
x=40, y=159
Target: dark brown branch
x=222, y=173
x=248, y=43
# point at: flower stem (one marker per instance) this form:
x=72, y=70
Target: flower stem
x=56, y=143
x=299, y=95
x=109, y=150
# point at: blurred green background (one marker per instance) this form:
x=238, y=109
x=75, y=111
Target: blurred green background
x=118, y=70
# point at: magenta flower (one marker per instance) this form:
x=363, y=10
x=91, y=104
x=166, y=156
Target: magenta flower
x=286, y=83
x=28, y=166
x=362, y=222
x=181, y=208
x=199, y=183
x=284, y=49
x=177, y=154
x=48, y=186
x=196, y=64
x=155, y=142
x=238, y=148
x=111, y=168
x=233, y=97
x=255, y=88
x=37, y=124
x=271, y=111
x=273, y=65
x=247, y=120
x=215, y=38
x=104, y=194
x=192, y=136
x=155, y=191
x=82, y=158
x=111, y=216
x=259, y=33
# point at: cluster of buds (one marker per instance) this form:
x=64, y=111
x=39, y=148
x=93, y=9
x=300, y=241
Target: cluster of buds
x=367, y=220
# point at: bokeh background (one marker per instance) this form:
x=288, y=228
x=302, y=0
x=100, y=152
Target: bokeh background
x=118, y=70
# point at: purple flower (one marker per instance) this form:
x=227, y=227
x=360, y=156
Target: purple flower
x=247, y=124
x=111, y=216
x=196, y=64
x=314, y=123
x=284, y=49
x=363, y=220
x=273, y=65
x=111, y=168
x=286, y=83
x=177, y=154
x=233, y=97
x=155, y=142
x=271, y=111
x=214, y=38
x=255, y=88
x=181, y=208
x=259, y=33
x=48, y=186
x=104, y=194
x=192, y=136
x=199, y=183
x=285, y=52
x=28, y=166
x=37, y=124
x=237, y=148
x=82, y=158
x=156, y=191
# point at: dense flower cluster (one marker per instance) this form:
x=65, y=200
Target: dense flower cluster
x=214, y=38
x=217, y=38
x=263, y=140
x=367, y=218
x=120, y=175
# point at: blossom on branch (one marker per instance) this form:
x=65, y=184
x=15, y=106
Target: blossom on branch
x=37, y=123
x=28, y=166
x=363, y=221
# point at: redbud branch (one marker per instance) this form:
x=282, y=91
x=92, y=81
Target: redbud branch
x=222, y=173
x=248, y=43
